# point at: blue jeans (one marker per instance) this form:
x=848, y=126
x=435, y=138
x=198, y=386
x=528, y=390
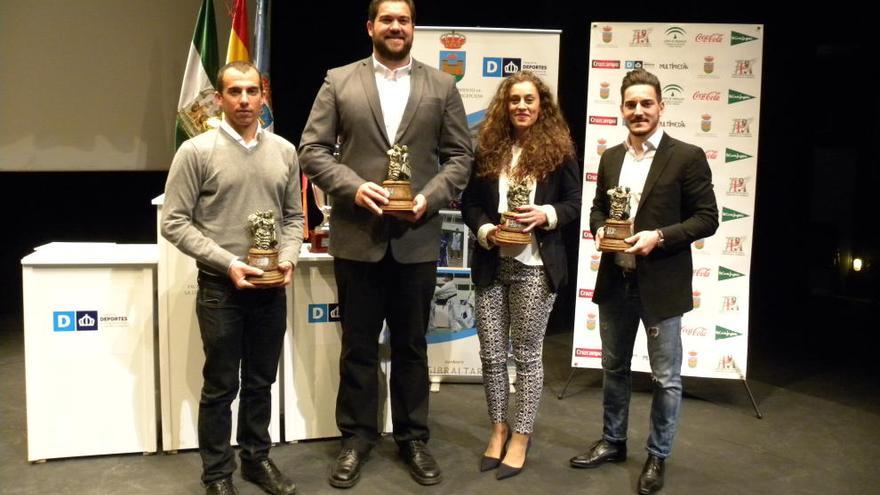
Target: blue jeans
x=242, y=332
x=618, y=324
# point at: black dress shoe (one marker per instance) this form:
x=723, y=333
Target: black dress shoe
x=600, y=453
x=347, y=470
x=422, y=465
x=651, y=479
x=489, y=463
x=266, y=475
x=221, y=487
x=505, y=471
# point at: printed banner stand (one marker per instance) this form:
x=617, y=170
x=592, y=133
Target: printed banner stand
x=711, y=85
x=479, y=59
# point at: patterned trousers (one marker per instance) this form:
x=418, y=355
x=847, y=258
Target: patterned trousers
x=514, y=308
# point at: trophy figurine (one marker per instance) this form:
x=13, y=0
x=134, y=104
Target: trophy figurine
x=397, y=183
x=320, y=236
x=510, y=232
x=619, y=226
x=263, y=254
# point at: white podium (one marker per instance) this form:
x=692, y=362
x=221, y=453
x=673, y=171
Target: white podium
x=89, y=367
x=180, y=350
x=311, y=353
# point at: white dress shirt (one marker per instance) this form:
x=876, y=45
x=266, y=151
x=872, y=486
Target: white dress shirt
x=240, y=140
x=393, y=86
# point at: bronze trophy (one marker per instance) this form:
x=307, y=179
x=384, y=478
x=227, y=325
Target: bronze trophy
x=510, y=232
x=263, y=254
x=320, y=236
x=400, y=193
x=619, y=226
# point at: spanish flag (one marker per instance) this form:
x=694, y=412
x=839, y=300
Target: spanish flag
x=238, y=37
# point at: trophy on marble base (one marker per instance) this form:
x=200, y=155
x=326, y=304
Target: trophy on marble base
x=263, y=254
x=510, y=232
x=397, y=182
x=320, y=236
x=619, y=225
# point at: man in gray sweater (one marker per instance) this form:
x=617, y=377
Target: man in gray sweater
x=216, y=180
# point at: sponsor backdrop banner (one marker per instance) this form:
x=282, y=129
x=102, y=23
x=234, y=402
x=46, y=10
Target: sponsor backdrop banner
x=479, y=58
x=711, y=82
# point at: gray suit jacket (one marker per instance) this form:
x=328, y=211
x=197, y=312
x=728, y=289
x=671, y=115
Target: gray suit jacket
x=433, y=126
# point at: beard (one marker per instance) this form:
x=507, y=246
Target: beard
x=389, y=54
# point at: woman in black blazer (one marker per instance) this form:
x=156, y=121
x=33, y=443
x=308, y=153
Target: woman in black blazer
x=523, y=142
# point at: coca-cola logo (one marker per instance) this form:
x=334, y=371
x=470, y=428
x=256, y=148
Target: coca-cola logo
x=603, y=120
x=711, y=154
x=707, y=95
x=709, y=38
x=702, y=272
x=694, y=331
x=606, y=64
x=588, y=353
x=587, y=293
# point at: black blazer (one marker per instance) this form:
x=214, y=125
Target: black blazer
x=678, y=198
x=561, y=189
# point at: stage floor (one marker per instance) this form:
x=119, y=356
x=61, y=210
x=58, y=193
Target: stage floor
x=820, y=434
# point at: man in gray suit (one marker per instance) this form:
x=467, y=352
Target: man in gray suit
x=385, y=265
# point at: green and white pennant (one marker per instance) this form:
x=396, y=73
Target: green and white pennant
x=734, y=96
x=722, y=333
x=725, y=273
x=738, y=38
x=728, y=214
x=733, y=155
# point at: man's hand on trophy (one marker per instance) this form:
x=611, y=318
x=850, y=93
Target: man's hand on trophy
x=286, y=268
x=598, y=236
x=643, y=242
x=238, y=270
x=370, y=196
x=420, y=205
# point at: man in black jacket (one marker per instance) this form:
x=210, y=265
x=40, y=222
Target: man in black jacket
x=651, y=281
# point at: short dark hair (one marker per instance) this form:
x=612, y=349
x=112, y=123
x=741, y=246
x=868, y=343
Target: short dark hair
x=242, y=66
x=640, y=76
x=373, y=10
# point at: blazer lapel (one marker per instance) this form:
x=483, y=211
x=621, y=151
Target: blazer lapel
x=492, y=197
x=615, y=164
x=368, y=81
x=661, y=159
x=416, y=90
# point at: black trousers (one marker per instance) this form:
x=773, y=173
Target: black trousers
x=242, y=331
x=401, y=295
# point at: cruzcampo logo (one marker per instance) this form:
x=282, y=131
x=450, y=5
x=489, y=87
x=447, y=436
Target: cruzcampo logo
x=734, y=96
x=722, y=333
x=733, y=155
x=727, y=214
x=725, y=273
x=738, y=38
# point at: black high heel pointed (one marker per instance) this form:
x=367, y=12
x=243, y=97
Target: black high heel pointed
x=505, y=471
x=489, y=463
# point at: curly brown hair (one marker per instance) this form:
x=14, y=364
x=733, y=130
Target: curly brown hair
x=544, y=147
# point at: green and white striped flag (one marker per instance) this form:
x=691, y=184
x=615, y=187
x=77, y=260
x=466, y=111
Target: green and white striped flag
x=196, y=110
